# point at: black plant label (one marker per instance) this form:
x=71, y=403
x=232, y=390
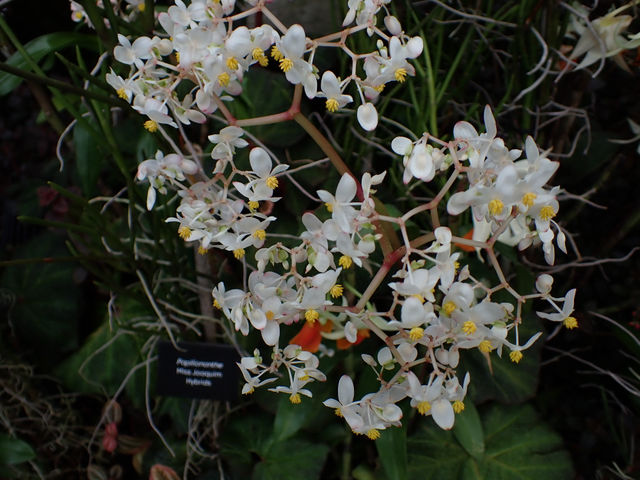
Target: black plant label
x=197, y=370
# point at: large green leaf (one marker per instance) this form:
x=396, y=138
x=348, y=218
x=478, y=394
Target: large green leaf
x=44, y=314
x=90, y=158
x=518, y=446
x=392, y=450
x=38, y=49
x=14, y=451
x=106, y=358
x=291, y=460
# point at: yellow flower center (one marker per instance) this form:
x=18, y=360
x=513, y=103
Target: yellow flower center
x=496, y=206
x=570, y=323
x=311, y=315
x=238, y=253
x=424, y=407
x=250, y=391
x=485, y=346
x=547, y=212
x=276, y=53
x=232, y=63
x=77, y=16
x=336, y=290
x=528, y=199
x=260, y=234
x=269, y=314
x=379, y=88
x=184, y=232
x=416, y=333
x=122, y=93
x=329, y=206
x=400, y=74
x=338, y=412
x=286, y=64
x=345, y=262
x=216, y=304
x=141, y=7
x=332, y=104
x=469, y=327
x=373, y=434
x=202, y=250
x=515, y=356
x=458, y=406
x=272, y=183
x=448, y=308
x=253, y=205
x=224, y=79
x=151, y=126
x=295, y=398
x=257, y=53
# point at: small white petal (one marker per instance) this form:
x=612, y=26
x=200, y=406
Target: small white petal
x=367, y=116
x=443, y=413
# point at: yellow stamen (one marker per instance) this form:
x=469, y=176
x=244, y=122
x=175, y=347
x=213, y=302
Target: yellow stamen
x=224, y=79
x=295, y=398
x=253, y=205
x=516, y=356
x=77, y=16
x=336, y=290
x=458, y=406
x=332, y=105
x=469, y=327
x=373, y=434
x=496, y=206
x=311, y=315
x=570, y=323
x=257, y=53
x=238, y=253
x=232, y=63
x=269, y=314
x=448, y=308
x=379, y=88
x=141, y=7
x=400, y=74
x=276, y=53
x=202, y=250
x=260, y=234
x=416, y=333
x=528, y=199
x=286, y=64
x=345, y=262
x=263, y=61
x=177, y=55
x=216, y=304
x=424, y=407
x=250, y=391
x=338, y=412
x=485, y=346
x=151, y=126
x=329, y=207
x=419, y=297
x=122, y=93
x=184, y=232
x=272, y=183
x=547, y=212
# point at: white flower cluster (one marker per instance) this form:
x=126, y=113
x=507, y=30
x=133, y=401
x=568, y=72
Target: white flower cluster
x=505, y=192
x=202, y=47
x=437, y=307
x=127, y=10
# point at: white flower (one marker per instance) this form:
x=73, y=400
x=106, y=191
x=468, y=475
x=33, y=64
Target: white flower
x=367, y=116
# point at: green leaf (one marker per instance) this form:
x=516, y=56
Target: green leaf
x=468, y=431
x=518, y=446
x=291, y=418
x=90, y=159
x=14, y=451
x=291, y=460
x=38, y=49
x=392, y=450
x=106, y=358
x=44, y=314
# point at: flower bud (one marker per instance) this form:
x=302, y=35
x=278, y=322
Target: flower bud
x=393, y=25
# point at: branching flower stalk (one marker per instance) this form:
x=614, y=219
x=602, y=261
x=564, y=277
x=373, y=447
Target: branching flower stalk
x=437, y=307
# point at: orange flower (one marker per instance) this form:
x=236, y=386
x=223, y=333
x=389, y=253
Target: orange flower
x=343, y=343
x=466, y=248
x=310, y=336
